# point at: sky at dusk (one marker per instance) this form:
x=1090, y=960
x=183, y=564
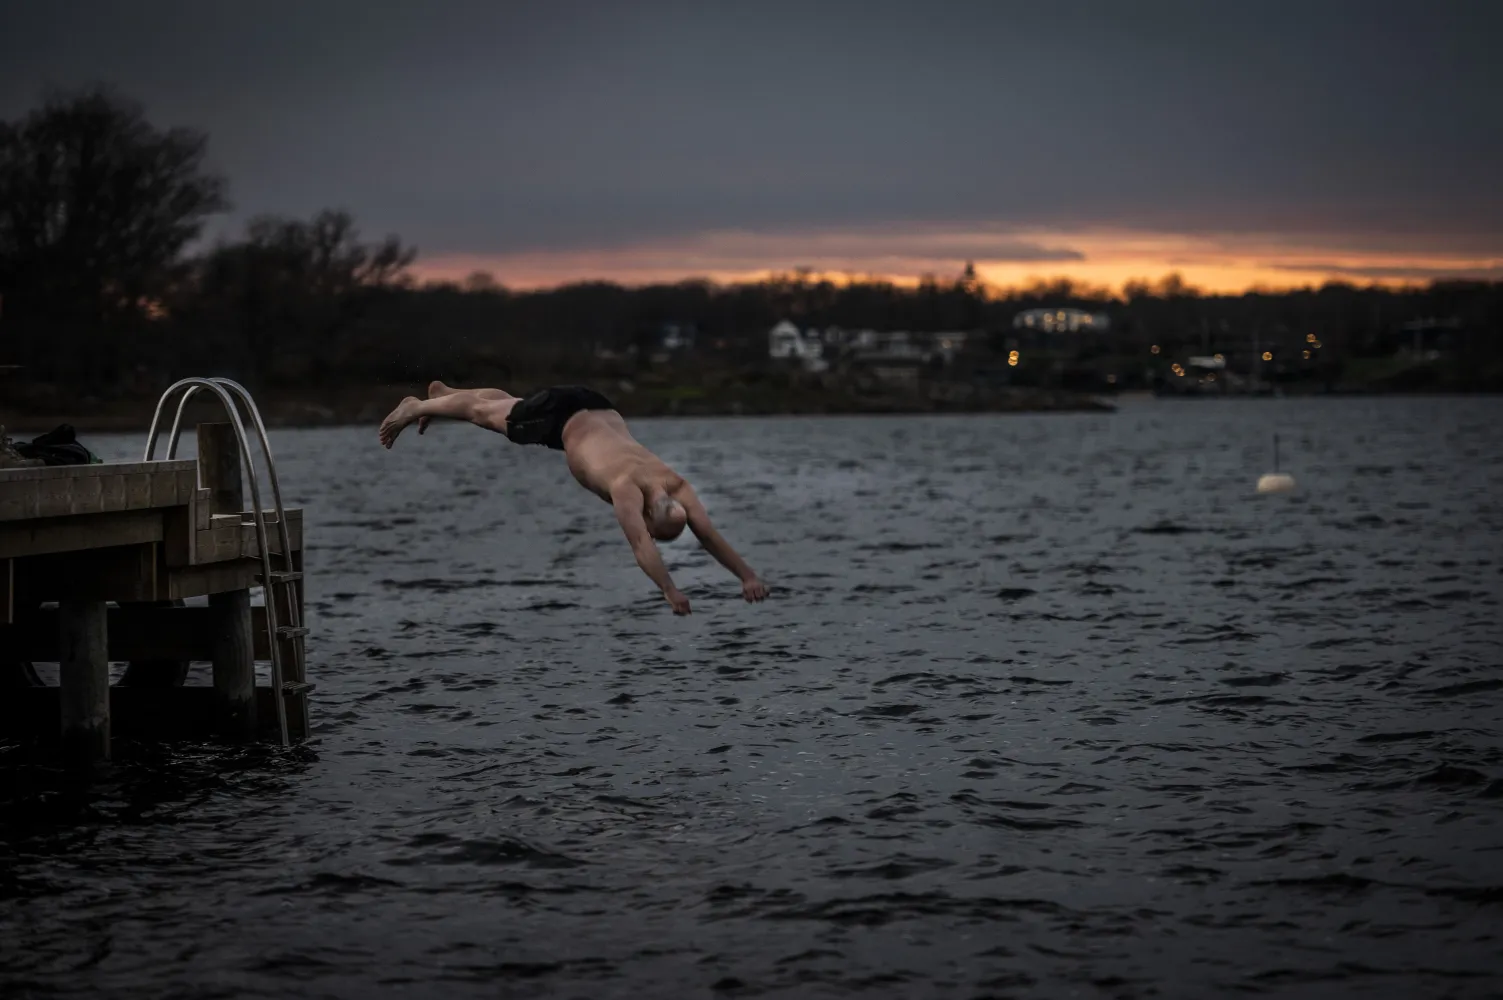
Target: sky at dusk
x=1239, y=143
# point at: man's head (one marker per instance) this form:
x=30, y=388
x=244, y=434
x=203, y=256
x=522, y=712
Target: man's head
x=666, y=517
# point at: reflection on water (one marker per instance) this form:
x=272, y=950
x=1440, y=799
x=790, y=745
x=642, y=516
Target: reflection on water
x=1040, y=704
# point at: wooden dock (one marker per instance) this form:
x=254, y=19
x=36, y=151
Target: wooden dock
x=118, y=548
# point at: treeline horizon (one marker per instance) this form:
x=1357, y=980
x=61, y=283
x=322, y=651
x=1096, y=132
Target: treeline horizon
x=1171, y=283
x=107, y=288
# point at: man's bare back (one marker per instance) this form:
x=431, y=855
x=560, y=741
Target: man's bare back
x=650, y=499
x=601, y=453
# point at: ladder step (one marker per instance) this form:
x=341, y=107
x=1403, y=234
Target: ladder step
x=284, y=575
x=291, y=631
x=296, y=687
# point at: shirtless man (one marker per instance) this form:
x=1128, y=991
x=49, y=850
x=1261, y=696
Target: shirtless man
x=651, y=500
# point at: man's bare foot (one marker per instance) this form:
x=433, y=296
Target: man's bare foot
x=397, y=419
x=435, y=389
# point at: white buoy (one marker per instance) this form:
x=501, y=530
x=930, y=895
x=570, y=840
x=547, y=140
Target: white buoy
x=1275, y=481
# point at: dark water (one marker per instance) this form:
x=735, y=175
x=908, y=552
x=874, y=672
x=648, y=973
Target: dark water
x=1042, y=706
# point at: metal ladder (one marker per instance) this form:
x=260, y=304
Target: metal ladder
x=279, y=583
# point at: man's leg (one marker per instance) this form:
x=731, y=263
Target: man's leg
x=437, y=389
x=488, y=413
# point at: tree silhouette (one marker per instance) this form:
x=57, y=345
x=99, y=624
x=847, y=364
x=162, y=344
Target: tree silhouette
x=481, y=281
x=96, y=209
x=293, y=290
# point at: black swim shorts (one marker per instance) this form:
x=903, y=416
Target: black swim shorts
x=540, y=418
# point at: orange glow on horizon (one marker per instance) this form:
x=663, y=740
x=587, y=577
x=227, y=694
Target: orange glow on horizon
x=1109, y=259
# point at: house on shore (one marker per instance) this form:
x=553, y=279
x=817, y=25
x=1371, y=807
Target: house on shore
x=786, y=342
x=1061, y=320
x=893, y=355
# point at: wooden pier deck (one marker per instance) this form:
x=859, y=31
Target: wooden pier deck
x=118, y=548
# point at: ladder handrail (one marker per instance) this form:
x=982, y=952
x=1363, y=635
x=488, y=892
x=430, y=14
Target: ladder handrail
x=294, y=616
x=271, y=468
x=259, y=516
x=177, y=424
x=271, y=474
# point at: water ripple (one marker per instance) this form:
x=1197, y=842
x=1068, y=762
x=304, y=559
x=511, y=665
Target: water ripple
x=1041, y=706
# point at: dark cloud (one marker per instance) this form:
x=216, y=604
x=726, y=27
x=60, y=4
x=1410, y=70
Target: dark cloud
x=1014, y=252
x=507, y=127
x=1399, y=272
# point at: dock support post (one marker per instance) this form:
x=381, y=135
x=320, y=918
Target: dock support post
x=234, y=658
x=84, y=680
x=219, y=468
x=234, y=665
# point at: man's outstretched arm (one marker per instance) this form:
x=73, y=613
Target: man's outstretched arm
x=627, y=500
x=752, y=588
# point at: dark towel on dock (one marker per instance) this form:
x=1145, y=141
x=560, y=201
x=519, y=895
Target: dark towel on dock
x=58, y=446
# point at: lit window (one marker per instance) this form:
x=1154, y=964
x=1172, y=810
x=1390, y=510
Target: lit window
x=1307, y=355
x=1267, y=355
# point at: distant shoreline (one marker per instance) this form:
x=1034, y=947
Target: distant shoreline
x=367, y=407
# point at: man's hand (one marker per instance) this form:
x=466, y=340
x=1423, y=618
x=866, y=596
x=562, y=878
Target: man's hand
x=753, y=589
x=678, y=600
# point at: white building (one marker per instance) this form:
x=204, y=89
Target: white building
x=786, y=343
x=817, y=349
x=1061, y=321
